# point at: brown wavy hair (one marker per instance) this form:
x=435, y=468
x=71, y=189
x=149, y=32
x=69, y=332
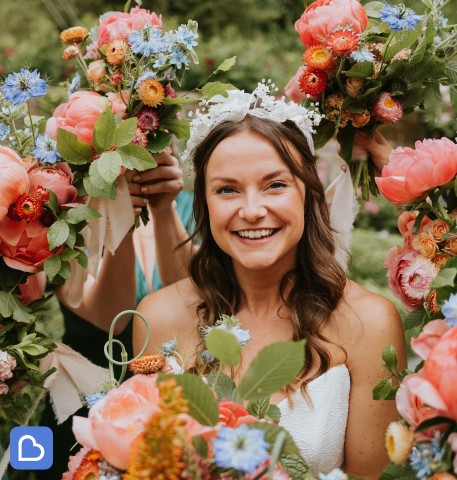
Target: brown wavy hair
x=312, y=290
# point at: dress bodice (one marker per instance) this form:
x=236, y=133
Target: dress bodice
x=318, y=425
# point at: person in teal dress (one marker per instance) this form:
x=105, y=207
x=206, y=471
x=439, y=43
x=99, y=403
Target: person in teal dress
x=146, y=260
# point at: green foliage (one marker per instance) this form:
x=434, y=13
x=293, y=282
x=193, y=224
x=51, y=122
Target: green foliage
x=224, y=346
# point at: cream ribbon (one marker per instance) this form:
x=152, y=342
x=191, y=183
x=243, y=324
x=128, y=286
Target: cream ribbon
x=74, y=375
x=108, y=231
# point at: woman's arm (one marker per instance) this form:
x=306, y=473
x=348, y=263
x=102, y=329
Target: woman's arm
x=378, y=325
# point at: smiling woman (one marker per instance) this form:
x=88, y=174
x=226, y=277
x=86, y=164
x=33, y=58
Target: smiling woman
x=267, y=256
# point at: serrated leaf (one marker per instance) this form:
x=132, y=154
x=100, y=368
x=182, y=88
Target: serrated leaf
x=433, y=101
x=295, y=466
x=384, y=390
x=274, y=412
x=389, y=357
x=226, y=65
x=398, y=472
x=159, y=142
x=52, y=266
x=274, y=367
x=202, y=404
x=400, y=40
x=65, y=270
x=224, y=346
x=136, y=157
x=57, y=234
x=71, y=237
x=80, y=213
x=451, y=72
x=259, y=408
x=104, y=130
x=360, y=70
x=125, y=131
x=178, y=127
x=424, y=41
x=225, y=387
x=68, y=254
x=96, y=186
x=109, y=166
x=216, y=88
x=445, y=278
x=72, y=150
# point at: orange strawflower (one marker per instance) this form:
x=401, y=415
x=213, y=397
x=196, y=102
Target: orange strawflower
x=312, y=82
x=88, y=468
x=343, y=42
x=151, y=92
x=27, y=207
x=148, y=364
x=74, y=35
x=318, y=57
x=116, y=52
x=432, y=304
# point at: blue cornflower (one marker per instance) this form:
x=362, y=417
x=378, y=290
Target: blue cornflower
x=362, y=56
x=143, y=77
x=208, y=357
x=169, y=39
x=20, y=87
x=168, y=348
x=4, y=131
x=74, y=85
x=93, y=398
x=399, y=18
x=46, y=149
x=449, y=310
x=161, y=60
x=335, y=474
x=186, y=37
x=241, y=448
x=147, y=41
x=178, y=57
x=423, y=455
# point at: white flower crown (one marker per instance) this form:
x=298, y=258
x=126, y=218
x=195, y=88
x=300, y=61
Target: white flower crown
x=260, y=103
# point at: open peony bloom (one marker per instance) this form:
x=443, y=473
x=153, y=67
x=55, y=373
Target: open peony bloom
x=13, y=178
x=412, y=173
x=120, y=25
x=429, y=337
x=321, y=18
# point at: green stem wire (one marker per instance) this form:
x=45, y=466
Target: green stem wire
x=32, y=128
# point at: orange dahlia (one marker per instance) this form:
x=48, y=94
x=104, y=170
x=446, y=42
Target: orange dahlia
x=343, y=41
x=74, y=35
x=151, y=92
x=312, y=82
x=318, y=57
x=148, y=364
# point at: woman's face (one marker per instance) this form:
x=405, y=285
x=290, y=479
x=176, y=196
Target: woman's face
x=256, y=205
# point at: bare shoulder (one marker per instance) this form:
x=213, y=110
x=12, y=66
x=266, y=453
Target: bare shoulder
x=169, y=312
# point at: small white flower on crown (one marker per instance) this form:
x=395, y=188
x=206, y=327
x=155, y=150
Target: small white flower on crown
x=237, y=104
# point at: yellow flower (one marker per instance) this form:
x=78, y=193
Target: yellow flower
x=74, y=35
x=399, y=442
x=151, y=92
x=318, y=56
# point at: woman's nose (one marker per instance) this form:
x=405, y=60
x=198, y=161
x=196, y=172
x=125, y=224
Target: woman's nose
x=252, y=208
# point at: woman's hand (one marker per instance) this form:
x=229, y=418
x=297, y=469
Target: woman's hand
x=377, y=146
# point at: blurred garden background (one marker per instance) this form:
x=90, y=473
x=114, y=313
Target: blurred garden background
x=262, y=36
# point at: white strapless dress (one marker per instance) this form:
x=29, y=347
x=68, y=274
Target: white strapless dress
x=319, y=428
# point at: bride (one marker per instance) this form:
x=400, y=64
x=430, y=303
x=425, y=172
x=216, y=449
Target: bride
x=267, y=255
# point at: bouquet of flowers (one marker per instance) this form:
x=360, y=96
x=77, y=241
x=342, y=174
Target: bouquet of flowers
x=179, y=425
x=370, y=65
x=422, y=273
x=41, y=218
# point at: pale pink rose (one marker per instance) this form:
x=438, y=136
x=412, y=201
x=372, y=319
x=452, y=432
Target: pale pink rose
x=293, y=88
x=24, y=246
x=406, y=222
x=13, y=178
x=118, y=106
x=33, y=288
x=78, y=115
x=74, y=462
x=96, y=71
x=412, y=173
x=7, y=365
x=58, y=179
x=117, y=419
x=3, y=388
x=323, y=16
x=410, y=277
x=440, y=369
x=429, y=337
x=120, y=25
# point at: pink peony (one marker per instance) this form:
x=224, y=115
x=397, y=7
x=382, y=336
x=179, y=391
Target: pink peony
x=293, y=87
x=410, y=277
x=13, y=178
x=429, y=337
x=412, y=173
x=116, y=420
x=387, y=109
x=120, y=25
x=78, y=115
x=323, y=16
x=57, y=178
x=74, y=462
x=33, y=288
x=7, y=365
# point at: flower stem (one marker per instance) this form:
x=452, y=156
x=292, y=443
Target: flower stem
x=358, y=175
x=32, y=128
x=216, y=378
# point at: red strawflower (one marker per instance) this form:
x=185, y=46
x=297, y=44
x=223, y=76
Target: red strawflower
x=170, y=91
x=88, y=468
x=312, y=82
x=27, y=207
x=343, y=42
x=41, y=192
x=318, y=57
x=140, y=138
x=148, y=119
x=387, y=109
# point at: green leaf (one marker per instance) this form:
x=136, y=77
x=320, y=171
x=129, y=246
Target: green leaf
x=274, y=367
x=82, y=259
x=373, y=8
x=225, y=387
x=274, y=412
x=57, y=234
x=52, y=203
x=216, y=88
x=384, y=390
x=450, y=71
x=71, y=240
x=159, y=142
x=124, y=133
x=424, y=42
x=95, y=190
x=68, y=254
x=433, y=102
x=360, y=70
x=271, y=431
x=200, y=445
x=398, y=472
x=178, y=127
x=20, y=312
x=259, y=408
x=324, y=132
x=202, y=404
x=415, y=321
x=52, y=266
x=389, y=358
x=70, y=149
x=224, y=346
x=104, y=131
x=6, y=306
x=401, y=40
x=109, y=166
x=34, y=350
x=295, y=466
x=136, y=157
x=65, y=270
x=226, y=65
x=445, y=278
x=81, y=213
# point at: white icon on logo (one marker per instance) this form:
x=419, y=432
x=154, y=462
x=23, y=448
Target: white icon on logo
x=35, y=444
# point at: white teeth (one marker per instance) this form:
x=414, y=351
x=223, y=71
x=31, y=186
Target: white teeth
x=256, y=233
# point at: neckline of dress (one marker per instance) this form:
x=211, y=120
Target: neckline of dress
x=315, y=380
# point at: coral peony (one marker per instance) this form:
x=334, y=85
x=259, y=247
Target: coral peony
x=412, y=173
x=120, y=25
x=117, y=419
x=322, y=17
x=232, y=414
x=429, y=337
x=57, y=179
x=13, y=178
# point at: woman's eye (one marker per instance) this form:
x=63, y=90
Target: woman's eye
x=225, y=190
x=276, y=185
